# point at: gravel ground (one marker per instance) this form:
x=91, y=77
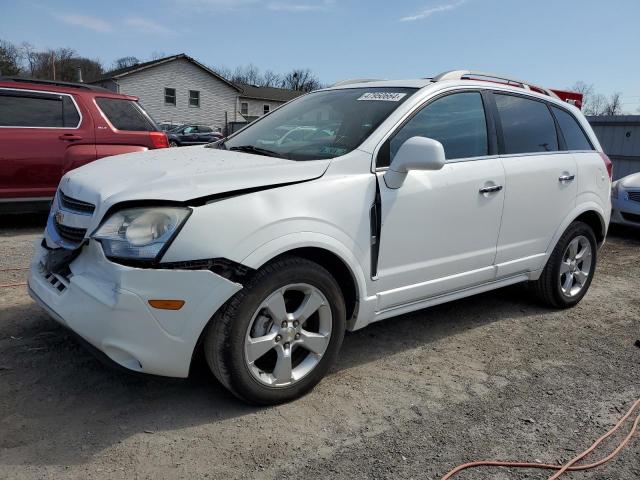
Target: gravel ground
x=492, y=376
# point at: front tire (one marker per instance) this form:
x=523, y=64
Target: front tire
x=570, y=268
x=277, y=337
x=173, y=144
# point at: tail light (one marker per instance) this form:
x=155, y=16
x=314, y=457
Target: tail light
x=608, y=164
x=159, y=139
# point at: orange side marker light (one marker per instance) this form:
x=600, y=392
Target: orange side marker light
x=167, y=304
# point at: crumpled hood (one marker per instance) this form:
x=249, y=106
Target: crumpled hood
x=181, y=174
x=631, y=181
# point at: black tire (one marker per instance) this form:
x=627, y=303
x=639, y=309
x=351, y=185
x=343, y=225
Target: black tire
x=547, y=288
x=225, y=337
x=173, y=144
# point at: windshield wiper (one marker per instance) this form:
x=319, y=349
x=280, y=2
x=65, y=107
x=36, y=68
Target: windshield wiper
x=257, y=151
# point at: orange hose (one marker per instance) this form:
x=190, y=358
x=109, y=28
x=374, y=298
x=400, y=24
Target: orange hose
x=569, y=466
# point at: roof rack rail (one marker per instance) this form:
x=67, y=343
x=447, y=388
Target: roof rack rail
x=354, y=80
x=58, y=83
x=492, y=77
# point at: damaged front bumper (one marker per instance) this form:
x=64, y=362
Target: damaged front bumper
x=107, y=304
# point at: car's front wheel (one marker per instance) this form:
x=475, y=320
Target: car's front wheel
x=570, y=268
x=173, y=144
x=277, y=337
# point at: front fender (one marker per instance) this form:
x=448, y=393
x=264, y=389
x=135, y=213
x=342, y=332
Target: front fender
x=292, y=241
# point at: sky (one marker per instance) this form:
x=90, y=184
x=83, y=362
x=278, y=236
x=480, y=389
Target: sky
x=552, y=43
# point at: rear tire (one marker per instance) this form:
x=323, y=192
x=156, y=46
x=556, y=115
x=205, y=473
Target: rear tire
x=292, y=309
x=173, y=144
x=567, y=275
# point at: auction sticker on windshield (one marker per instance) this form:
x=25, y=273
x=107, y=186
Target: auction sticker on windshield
x=382, y=96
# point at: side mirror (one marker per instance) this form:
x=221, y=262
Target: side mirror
x=416, y=153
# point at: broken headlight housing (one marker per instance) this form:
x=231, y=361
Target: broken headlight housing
x=140, y=233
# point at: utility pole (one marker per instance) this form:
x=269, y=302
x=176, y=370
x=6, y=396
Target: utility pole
x=53, y=64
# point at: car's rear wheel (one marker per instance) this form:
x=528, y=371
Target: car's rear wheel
x=570, y=268
x=173, y=144
x=277, y=337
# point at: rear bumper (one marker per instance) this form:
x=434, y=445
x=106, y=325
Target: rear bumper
x=107, y=305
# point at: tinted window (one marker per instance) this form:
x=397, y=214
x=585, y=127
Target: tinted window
x=37, y=110
x=205, y=129
x=527, y=125
x=573, y=135
x=70, y=114
x=457, y=121
x=124, y=114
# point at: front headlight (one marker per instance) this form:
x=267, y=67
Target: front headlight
x=140, y=233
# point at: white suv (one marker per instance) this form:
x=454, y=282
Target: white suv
x=406, y=194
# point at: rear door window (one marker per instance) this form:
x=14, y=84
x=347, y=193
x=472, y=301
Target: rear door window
x=39, y=110
x=573, y=134
x=527, y=125
x=125, y=115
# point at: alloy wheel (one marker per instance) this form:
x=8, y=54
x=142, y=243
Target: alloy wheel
x=576, y=266
x=288, y=335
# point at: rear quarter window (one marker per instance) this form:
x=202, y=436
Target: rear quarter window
x=125, y=115
x=527, y=125
x=574, y=136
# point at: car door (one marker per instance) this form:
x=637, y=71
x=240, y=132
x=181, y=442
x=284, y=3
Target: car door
x=541, y=183
x=189, y=135
x=440, y=228
x=37, y=131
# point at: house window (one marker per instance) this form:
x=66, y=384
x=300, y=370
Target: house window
x=194, y=98
x=170, y=96
x=244, y=108
x=265, y=109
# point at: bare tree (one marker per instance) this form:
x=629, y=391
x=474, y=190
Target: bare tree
x=270, y=79
x=125, y=62
x=595, y=103
x=157, y=55
x=10, y=58
x=614, y=105
x=249, y=74
x=303, y=80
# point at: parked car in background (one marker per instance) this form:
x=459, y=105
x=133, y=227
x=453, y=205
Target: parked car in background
x=426, y=191
x=625, y=200
x=192, y=135
x=49, y=128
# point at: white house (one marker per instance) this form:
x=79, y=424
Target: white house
x=179, y=89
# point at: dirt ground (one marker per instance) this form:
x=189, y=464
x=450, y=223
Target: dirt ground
x=492, y=376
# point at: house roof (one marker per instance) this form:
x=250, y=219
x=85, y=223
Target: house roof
x=268, y=93
x=122, y=72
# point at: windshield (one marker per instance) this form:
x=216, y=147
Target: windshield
x=320, y=125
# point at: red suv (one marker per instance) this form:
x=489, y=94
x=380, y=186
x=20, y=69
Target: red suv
x=48, y=128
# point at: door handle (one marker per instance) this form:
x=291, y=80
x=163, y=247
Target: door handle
x=492, y=189
x=566, y=178
x=70, y=137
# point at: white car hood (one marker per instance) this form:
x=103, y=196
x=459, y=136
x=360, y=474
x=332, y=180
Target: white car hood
x=181, y=175
x=631, y=181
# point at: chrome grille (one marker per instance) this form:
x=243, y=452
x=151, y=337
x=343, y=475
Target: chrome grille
x=634, y=196
x=70, y=234
x=74, y=205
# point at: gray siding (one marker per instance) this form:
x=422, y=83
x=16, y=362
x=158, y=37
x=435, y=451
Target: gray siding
x=256, y=106
x=216, y=97
x=620, y=139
